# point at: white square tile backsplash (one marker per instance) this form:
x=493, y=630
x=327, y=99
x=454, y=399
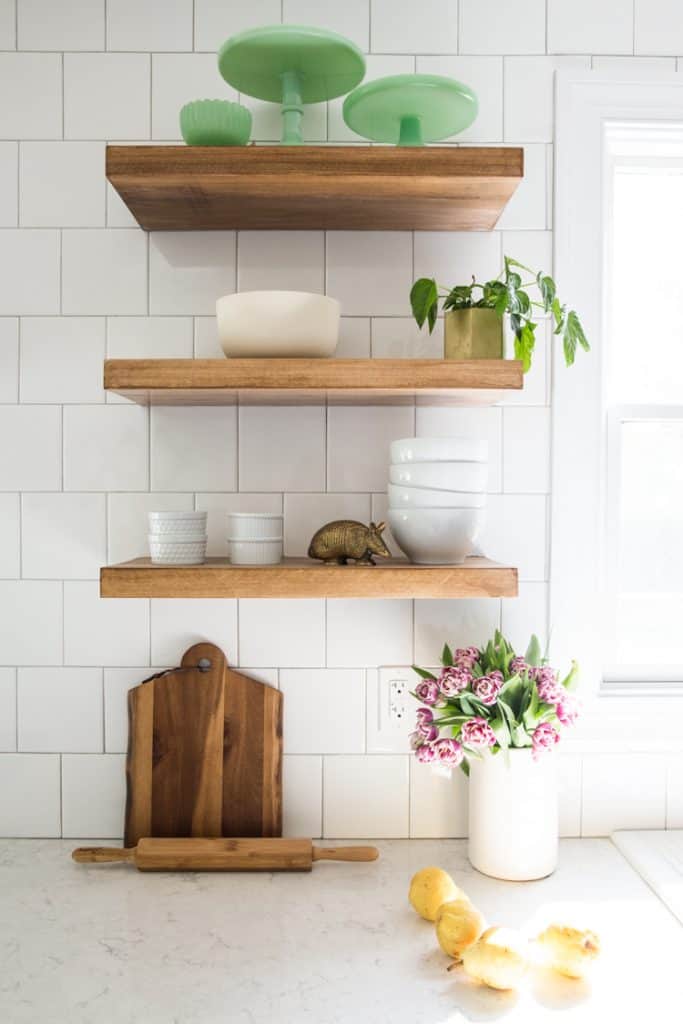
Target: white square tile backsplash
x=104, y=272
x=34, y=82
x=370, y=272
x=80, y=470
x=9, y=359
x=177, y=625
x=32, y=459
x=78, y=25
x=10, y=535
x=106, y=448
x=194, y=448
x=189, y=270
x=398, y=28
x=366, y=796
x=71, y=195
x=61, y=359
x=98, y=632
x=153, y=25
x=93, y=795
x=8, y=709
x=59, y=710
x=63, y=536
x=30, y=272
x=30, y=799
x=324, y=710
x=9, y=197
x=215, y=20
x=31, y=623
x=8, y=32
x=282, y=448
x=591, y=26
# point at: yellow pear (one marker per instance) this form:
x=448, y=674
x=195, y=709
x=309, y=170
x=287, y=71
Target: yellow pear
x=498, y=959
x=568, y=950
x=429, y=888
x=458, y=926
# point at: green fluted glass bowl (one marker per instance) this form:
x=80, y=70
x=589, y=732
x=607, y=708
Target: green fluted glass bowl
x=409, y=110
x=215, y=123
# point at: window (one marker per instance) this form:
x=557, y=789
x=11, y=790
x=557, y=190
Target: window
x=643, y=389
x=617, y=505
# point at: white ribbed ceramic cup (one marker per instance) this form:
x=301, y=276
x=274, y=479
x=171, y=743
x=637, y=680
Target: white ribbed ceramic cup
x=254, y=525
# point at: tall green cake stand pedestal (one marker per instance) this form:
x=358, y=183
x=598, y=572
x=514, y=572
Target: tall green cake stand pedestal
x=410, y=110
x=291, y=65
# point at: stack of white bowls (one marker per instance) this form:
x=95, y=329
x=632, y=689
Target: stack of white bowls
x=437, y=497
x=255, y=538
x=177, y=538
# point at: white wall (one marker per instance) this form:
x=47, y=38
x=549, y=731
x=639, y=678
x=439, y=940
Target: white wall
x=78, y=470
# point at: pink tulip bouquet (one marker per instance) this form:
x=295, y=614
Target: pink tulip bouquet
x=490, y=698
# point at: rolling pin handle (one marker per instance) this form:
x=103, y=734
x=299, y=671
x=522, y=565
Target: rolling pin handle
x=103, y=854
x=345, y=853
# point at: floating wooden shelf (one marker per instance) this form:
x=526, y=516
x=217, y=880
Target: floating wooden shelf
x=359, y=188
x=300, y=577
x=283, y=381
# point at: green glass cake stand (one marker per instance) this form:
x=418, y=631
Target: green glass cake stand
x=410, y=110
x=291, y=65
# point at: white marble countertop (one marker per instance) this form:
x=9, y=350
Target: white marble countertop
x=80, y=944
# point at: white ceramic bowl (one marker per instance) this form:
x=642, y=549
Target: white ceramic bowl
x=425, y=497
x=179, y=537
x=255, y=552
x=255, y=525
x=292, y=324
x=175, y=552
x=436, y=536
x=186, y=523
x=442, y=476
x=439, y=449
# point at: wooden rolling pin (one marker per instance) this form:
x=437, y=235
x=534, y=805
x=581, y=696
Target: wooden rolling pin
x=223, y=854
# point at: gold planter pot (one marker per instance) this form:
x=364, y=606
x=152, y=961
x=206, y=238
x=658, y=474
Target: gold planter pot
x=473, y=334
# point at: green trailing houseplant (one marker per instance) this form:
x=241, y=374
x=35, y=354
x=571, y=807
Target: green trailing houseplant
x=505, y=294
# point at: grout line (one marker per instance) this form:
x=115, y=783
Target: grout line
x=63, y=63
x=151, y=93
x=61, y=796
x=322, y=796
x=63, y=622
x=104, y=717
x=16, y=710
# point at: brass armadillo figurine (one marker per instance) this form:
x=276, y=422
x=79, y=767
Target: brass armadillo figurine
x=345, y=538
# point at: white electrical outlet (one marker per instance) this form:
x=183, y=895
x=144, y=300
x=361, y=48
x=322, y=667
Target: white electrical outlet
x=398, y=700
x=390, y=709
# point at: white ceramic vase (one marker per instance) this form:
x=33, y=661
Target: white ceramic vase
x=513, y=817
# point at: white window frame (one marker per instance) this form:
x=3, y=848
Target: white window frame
x=584, y=102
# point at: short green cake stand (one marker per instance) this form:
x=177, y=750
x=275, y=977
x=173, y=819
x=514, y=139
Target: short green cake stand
x=410, y=110
x=291, y=65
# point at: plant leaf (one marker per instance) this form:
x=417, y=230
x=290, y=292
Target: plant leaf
x=570, y=681
x=547, y=288
x=533, y=652
x=446, y=655
x=424, y=301
x=423, y=672
x=525, y=340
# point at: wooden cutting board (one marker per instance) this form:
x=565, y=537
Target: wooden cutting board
x=204, y=752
